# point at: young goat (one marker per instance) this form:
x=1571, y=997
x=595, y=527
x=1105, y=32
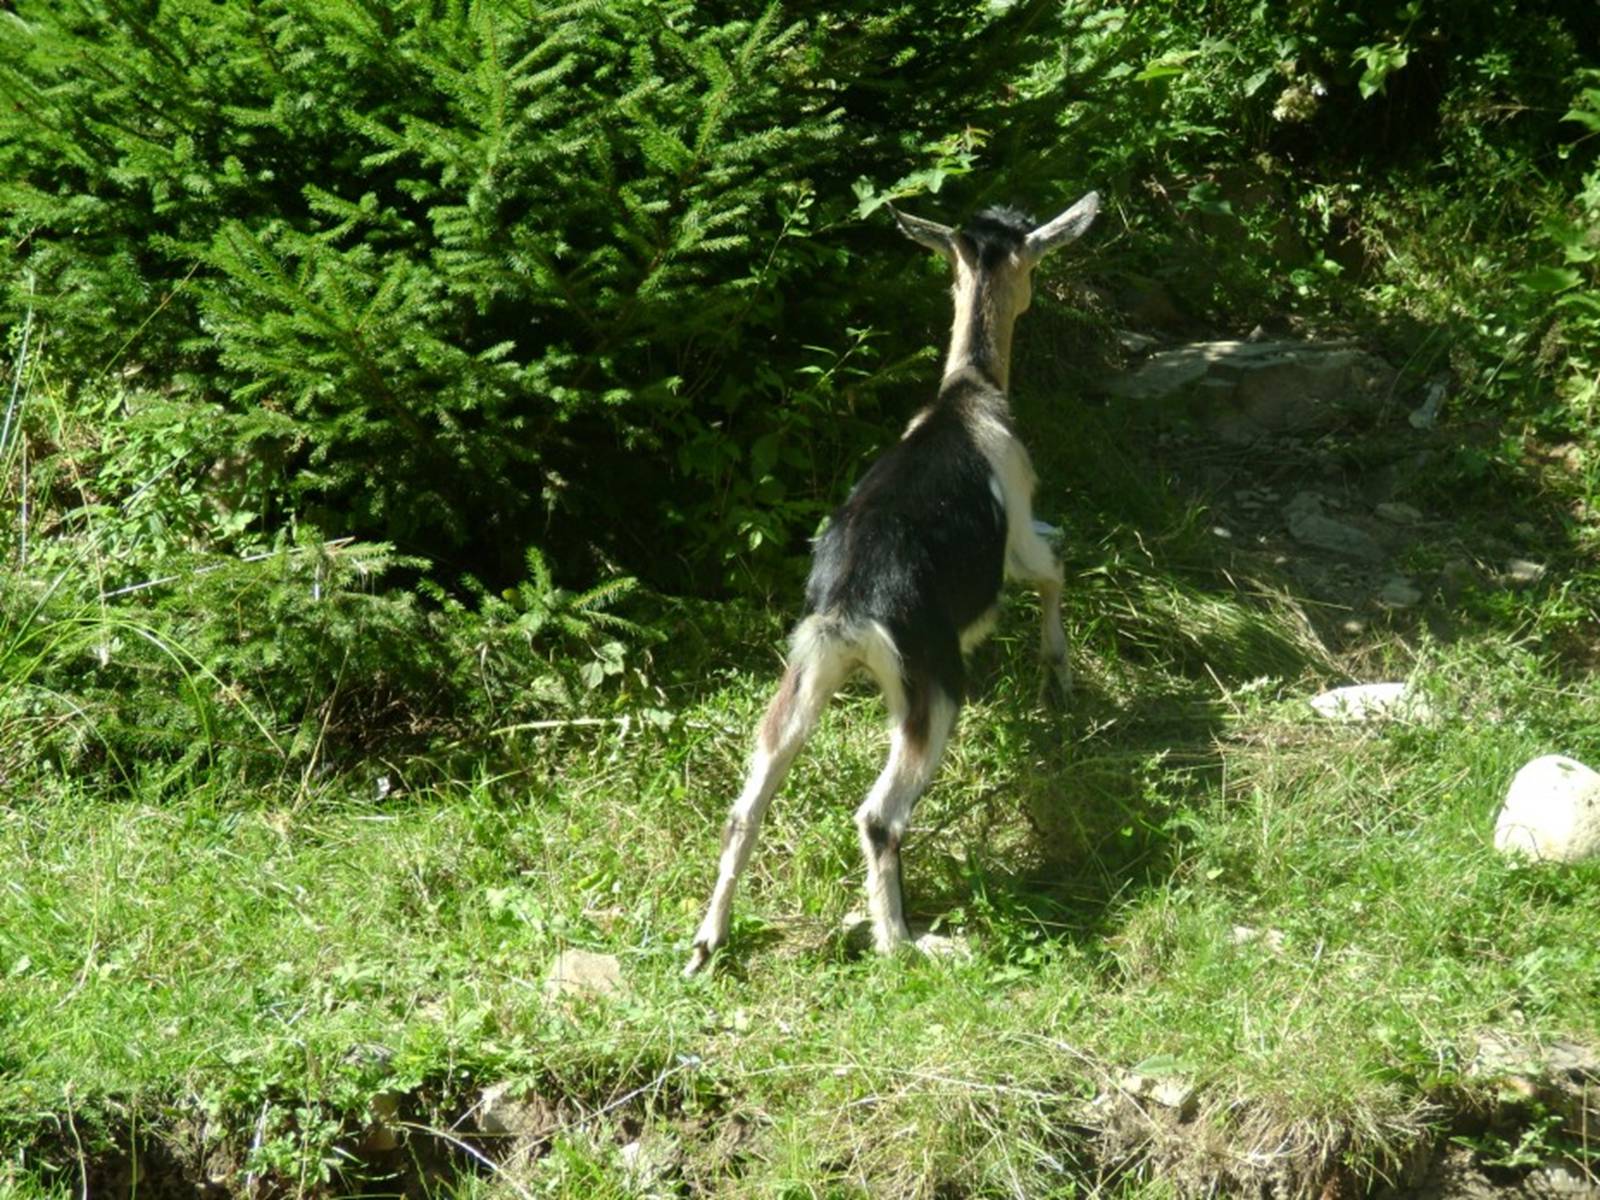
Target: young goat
x=906, y=578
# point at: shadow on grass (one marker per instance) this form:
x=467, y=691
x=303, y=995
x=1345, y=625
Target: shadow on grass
x=1092, y=819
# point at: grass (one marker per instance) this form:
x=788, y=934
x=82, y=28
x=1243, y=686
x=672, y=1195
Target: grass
x=1215, y=945
x=1301, y=925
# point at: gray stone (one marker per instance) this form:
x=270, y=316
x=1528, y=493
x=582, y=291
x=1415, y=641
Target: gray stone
x=1398, y=513
x=1249, y=390
x=1247, y=935
x=940, y=945
x=1426, y=415
x=1523, y=572
x=505, y=1111
x=649, y=1161
x=383, y=1131
x=1399, y=592
x=857, y=929
x=1551, y=812
x=1310, y=526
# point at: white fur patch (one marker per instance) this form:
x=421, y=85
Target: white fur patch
x=833, y=647
x=979, y=630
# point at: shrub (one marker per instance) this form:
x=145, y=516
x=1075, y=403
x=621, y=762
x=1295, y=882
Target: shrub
x=472, y=275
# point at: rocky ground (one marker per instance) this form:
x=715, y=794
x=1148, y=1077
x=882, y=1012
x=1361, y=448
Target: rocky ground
x=1316, y=466
x=1313, y=460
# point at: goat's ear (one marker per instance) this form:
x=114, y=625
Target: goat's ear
x=928, y=233
x=1068, y=227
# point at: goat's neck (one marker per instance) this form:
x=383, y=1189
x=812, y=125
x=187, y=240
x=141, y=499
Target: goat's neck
x=980, y=338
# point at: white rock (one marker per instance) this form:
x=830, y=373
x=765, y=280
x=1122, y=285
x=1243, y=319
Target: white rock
x=583, y=973
x=1552, y=811
x=1371, y=702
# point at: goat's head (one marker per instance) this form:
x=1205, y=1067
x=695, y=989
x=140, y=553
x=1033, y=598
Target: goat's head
x=999, y=247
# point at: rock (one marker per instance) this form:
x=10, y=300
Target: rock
x=1172, y=1092
x=1147, y=303
x=1245, y=935
x=383, y=1130
x=939, y=945
x=1249, y=390
x=1551, y=812
x=1559, y=1179
x=1519, y=571
x=1371, y=702
x=1310, y=526
x=504, y=1111
x=1426, y=415
x=1557, y=1077
x=1398, y=513
x=650, y=1161
x=1175, y=1094
x=1456, y=577
x=1399, y=592
x=856, y=927
x=584, y=973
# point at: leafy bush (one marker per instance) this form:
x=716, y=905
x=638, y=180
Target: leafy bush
x=463, y=274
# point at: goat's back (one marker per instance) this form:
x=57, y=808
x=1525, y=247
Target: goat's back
x=919, y=545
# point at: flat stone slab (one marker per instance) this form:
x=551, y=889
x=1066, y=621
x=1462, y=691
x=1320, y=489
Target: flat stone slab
x=583, y=973
x=1249, y=390
x=1362, y=702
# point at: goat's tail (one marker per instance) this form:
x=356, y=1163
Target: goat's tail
x=826, y=648
x=834, y=645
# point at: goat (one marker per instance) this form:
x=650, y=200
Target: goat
x=906, y=578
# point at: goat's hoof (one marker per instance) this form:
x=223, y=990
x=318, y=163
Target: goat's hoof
x=895, y=943
x=699, y=956
x=1055, y=688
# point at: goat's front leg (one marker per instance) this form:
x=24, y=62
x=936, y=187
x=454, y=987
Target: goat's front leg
x=1030, y=560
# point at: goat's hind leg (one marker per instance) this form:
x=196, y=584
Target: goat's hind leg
x=916, y=744
x=790, y=718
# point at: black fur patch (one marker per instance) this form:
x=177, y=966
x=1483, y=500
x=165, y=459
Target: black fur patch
x=997, y=232
x=883, y=842
x=919, y=546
